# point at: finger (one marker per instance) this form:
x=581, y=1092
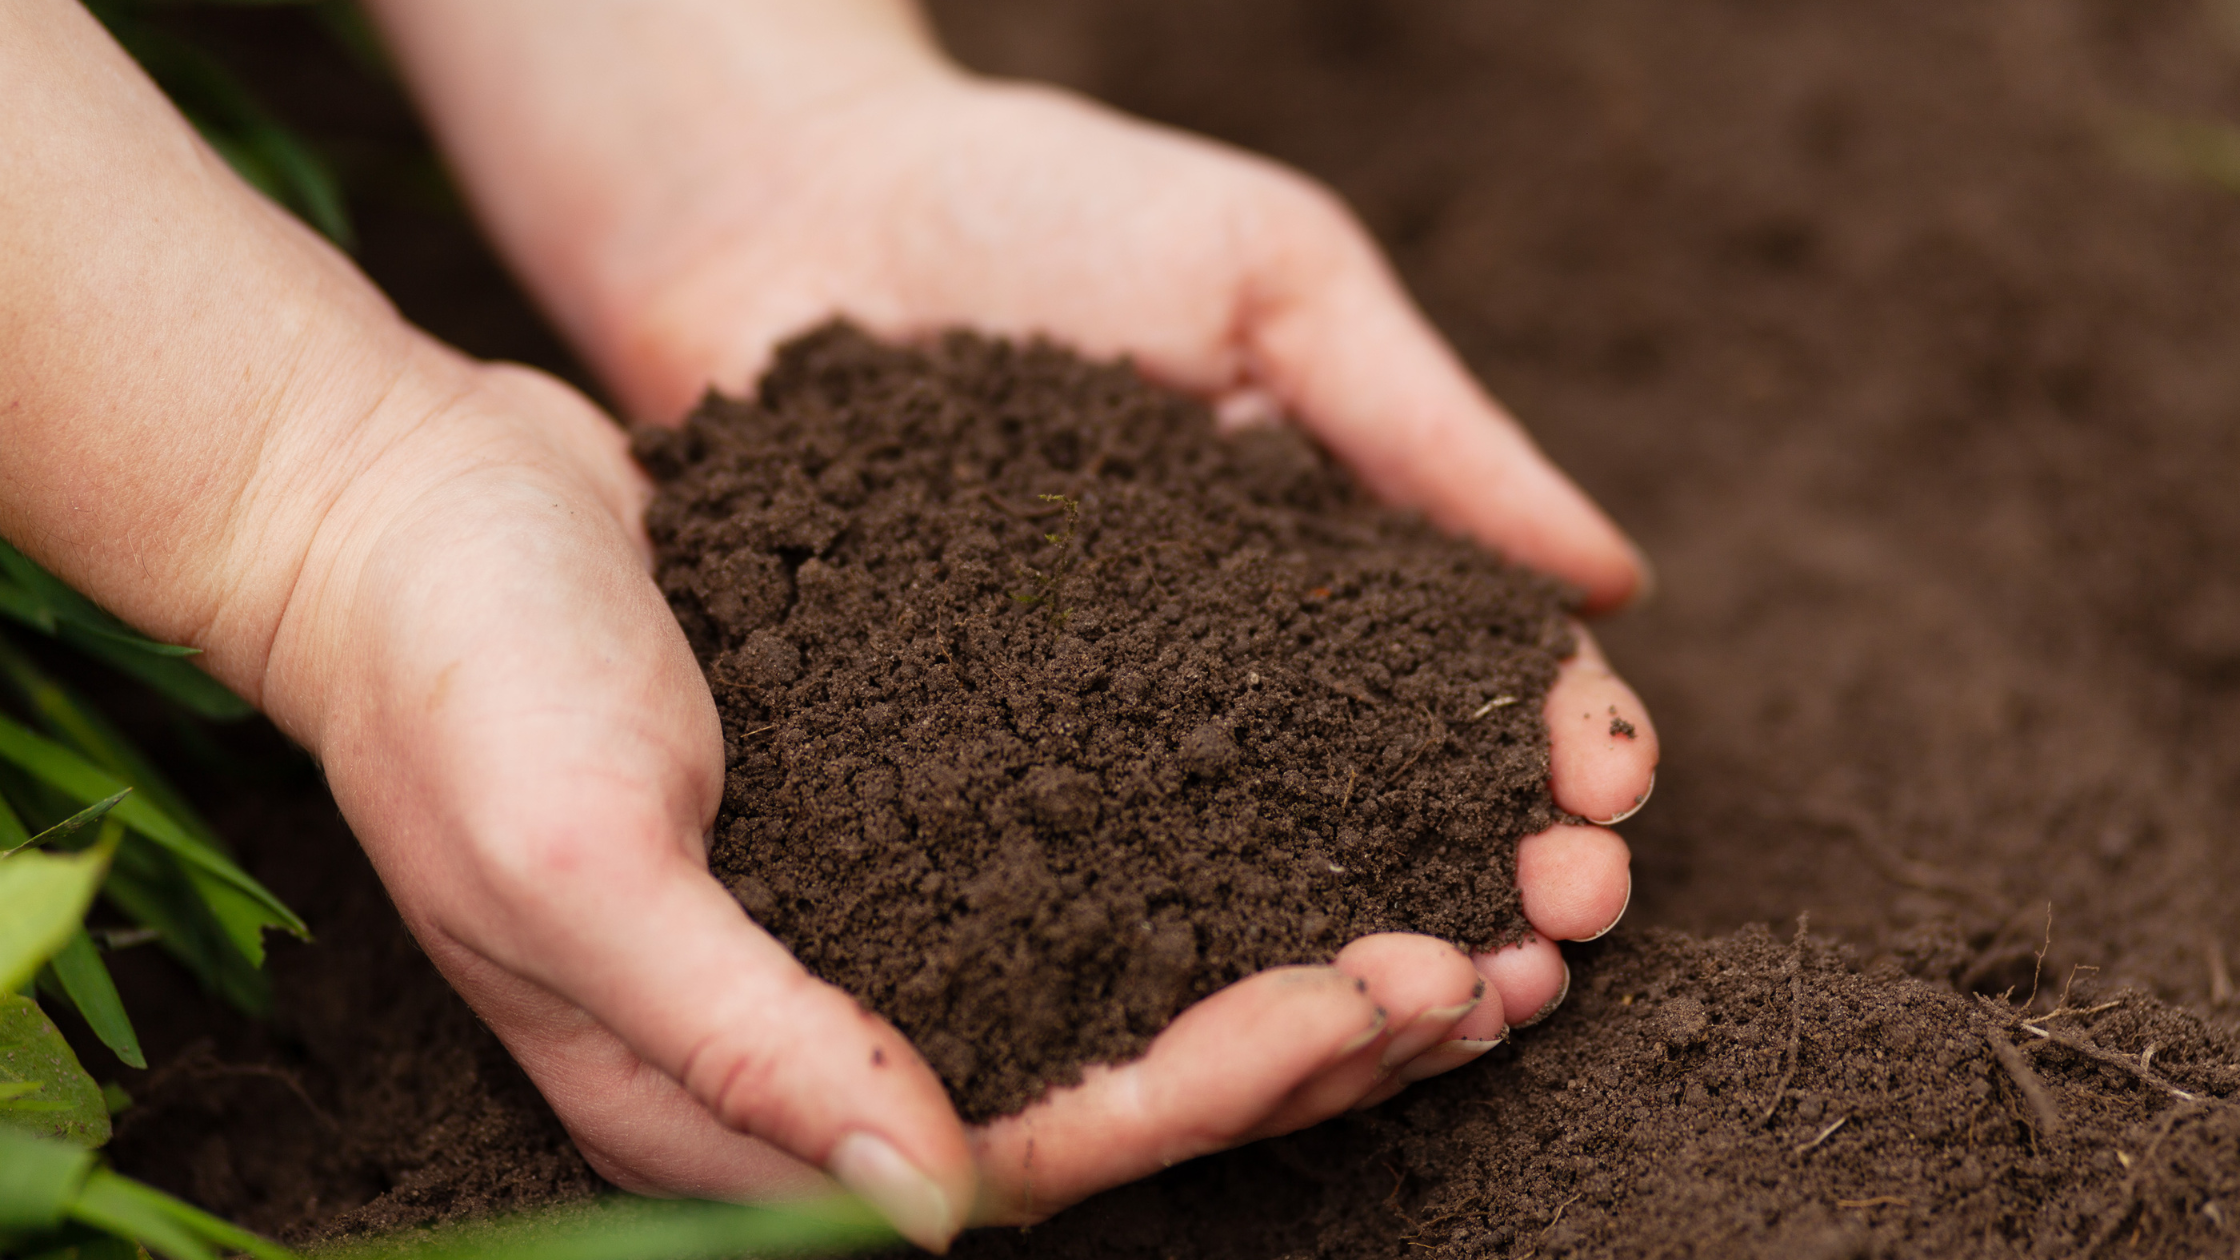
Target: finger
x=1205, y=1083
x=702, y=994
x=1531, y=978
x=1424, y=986
x=1574, y=881
x=1602, y=749
x=634, y=1124
x=1330, y=332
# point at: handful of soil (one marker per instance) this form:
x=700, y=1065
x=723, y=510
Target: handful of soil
x=1048, y=710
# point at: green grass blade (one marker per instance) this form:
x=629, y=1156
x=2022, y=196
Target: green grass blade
x=43, y=900
x=23, y=606
x=86, y=980
x=36, y=598
x=645, y=1229
x=308, y=186
x=105, y=1202
x=152, y=889
x=65, y=605
x=13, y=834
x=75, y=721
x=38, y=1181
x=174, y=679
x=205, y=1228
x=67, y=1105
x=90, y=814
x=65, y=770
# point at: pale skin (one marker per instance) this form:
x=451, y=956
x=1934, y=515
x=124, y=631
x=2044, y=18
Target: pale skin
x=430, y=571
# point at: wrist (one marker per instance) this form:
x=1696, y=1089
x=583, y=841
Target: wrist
x=605, y=146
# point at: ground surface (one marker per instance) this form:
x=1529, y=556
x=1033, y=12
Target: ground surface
x=1913, y=357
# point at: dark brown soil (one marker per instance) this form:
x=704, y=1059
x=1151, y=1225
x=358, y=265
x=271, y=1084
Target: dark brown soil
x=1917, y=380
x=1047, y=711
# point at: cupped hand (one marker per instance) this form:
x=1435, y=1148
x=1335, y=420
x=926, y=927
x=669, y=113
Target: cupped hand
x=516, y=727
x=683, y=1048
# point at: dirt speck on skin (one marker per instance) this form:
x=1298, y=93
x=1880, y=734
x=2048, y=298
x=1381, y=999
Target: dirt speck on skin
x=1049, y=711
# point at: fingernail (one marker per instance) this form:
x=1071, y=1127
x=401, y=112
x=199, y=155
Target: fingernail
x=1445, y=1057
x=1553, y=1002
x=1644, y=590
x=1629, y=812
x=1613, y=925
x=1364, y=1037
x=1421, y=1035
x=911, y=1201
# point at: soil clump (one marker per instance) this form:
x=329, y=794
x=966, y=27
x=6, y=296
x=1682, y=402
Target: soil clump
x=1049, y=711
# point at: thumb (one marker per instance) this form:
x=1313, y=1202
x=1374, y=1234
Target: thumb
x=686, y=985
x=1330, y=332
x=514, y=723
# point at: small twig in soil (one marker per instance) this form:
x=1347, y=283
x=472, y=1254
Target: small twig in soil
x=2033, y=1089
x=2063, y=1004
x=1796, y=1023
x=1880, y=1200
x=1437, y=736
x=760, y=730
x=2137, y=1067
x=1346, y=797
x=2038, y=968
x=2074, y=1012
x=1019, y=513
x=2220, y=975
x=1498, y=702
x=1822, y=1136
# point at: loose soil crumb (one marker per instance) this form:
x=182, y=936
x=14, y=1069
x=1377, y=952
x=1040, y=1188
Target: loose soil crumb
x=1049, y=711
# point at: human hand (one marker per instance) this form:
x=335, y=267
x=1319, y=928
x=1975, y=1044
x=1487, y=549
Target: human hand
x=910, y=198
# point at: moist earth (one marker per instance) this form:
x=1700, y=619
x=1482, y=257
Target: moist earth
x=1048, y=710
x=1906, y=342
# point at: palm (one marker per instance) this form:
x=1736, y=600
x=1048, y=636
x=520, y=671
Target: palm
x=526, y=745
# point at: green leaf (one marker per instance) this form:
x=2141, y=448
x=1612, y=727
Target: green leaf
x=174, y=679
x=23, y=606
x=38, y=599
x=70, y=718
x=32, y=1051
x=38, y=1180
x=59, y=767
x=152, y=888
x=13, y=834
x=101, y=1205
x=63, y=604
x=645, y=1229
x=90, y=814
x=43, y=900
x=161, y=1223
x=91, y=989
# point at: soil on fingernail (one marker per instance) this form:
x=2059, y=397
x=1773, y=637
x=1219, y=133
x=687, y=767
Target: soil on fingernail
x=1049, y=711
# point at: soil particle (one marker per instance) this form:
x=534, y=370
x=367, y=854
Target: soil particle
x=1179, y=707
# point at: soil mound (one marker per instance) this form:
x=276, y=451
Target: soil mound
x=1048, y=710
x=1744, y=1096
